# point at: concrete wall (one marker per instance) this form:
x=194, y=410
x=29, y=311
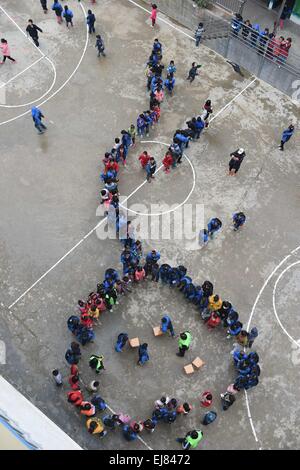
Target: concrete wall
x=181, y=10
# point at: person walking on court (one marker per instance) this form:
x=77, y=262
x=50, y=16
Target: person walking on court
x=91, y=19
x=166, y=324
x=184, y=343
x=100, y=45
x=236, y=160
x=198, y=34
x=193, y=72
x=68, y=16
x=286, y=135
x=151, y=169
x=58, y=9
x=153, y=14
x=32, y=30
x=5, y=51
x=44, y=6
x=37, y=116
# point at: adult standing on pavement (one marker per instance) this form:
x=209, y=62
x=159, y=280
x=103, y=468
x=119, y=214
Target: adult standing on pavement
x=32, y=30
x=235, y=162
x=184, y=343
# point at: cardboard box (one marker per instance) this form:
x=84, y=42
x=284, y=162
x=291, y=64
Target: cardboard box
x=157, y=331
x=134, y=342
x=189, y=369
x=198, y=363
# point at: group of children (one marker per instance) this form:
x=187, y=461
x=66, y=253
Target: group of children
x=213, y=311
x=215, y=225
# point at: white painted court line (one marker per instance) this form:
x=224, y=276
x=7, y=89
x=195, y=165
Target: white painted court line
x=139, y=437
x=250, y=320
x=161, y=166
x=65, y=83
x=20, y=73
x=163, y=20
x=43, y=56
x=101, y=222
x=274, y=303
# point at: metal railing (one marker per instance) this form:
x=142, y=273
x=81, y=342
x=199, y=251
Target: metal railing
x=233, y=6
x=268, y=48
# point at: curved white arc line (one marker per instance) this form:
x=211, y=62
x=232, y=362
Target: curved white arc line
x=41, y=97
x=168, y=211
x=274, y=302
x=65, y=83
x=21, y=73
x=267, y=282
x=249, y=323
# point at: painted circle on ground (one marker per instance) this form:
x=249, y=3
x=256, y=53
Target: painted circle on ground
x=151, y=214
x=65, y=83
x=274, y=302
x=12, y=106
x=252, y=315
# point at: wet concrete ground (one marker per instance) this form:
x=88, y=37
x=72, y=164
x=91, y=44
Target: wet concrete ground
x=49, y=196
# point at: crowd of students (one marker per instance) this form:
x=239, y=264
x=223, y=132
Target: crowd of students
x=265, y=41
x=137, y=268
x=214, y=311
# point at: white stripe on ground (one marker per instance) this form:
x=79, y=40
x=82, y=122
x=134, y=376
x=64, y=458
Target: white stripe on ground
x=250, y=320
x=43, y=57
x=103, y=220
x=65, y=83
x=20, y=73
x=158, y=214
x=274, y=303
x=163, y=20
x=139, y=437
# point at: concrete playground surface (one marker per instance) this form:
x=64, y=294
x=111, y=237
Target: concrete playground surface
x=49, y=187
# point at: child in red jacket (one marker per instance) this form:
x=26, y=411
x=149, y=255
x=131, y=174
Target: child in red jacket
x=167, y=162
x=144, y=159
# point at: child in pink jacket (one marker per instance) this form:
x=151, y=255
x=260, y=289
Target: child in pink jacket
x=153, y=14
x=5, y=51
x=139, y=274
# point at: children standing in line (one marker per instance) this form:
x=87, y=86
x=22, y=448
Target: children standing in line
x=286, y=135
x=167, y=162
x=132, y=132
